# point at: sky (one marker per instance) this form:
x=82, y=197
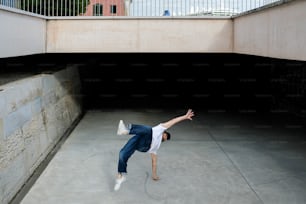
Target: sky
x=183, y=7
x=188, y=7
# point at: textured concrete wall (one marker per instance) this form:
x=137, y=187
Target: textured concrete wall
x=140, y=35
x=21, y=34
x=34, y=113
x=277, y=32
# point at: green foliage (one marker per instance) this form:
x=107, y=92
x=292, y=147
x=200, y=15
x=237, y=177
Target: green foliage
x=55, y=7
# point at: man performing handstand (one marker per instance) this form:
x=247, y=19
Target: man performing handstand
x=145, y=139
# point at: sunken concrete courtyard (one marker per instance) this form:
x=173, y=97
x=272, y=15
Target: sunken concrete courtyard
x=66, y=82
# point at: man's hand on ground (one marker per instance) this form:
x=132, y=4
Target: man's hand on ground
x=155, y=178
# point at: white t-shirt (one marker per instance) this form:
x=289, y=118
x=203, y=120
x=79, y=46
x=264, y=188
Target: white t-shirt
x=157, y=133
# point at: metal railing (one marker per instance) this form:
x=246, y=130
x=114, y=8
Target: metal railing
x=139, y=8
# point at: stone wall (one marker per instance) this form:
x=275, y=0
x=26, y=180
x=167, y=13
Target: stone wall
x=34, y=113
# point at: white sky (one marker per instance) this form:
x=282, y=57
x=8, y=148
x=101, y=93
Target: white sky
x=185, y=7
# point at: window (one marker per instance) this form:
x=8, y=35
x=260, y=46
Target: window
x=97, y=10
x=113, y=9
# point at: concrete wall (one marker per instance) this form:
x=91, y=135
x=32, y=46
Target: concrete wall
x=21, y=34
x=277, y=32
x=34, y=113
x=140, y=35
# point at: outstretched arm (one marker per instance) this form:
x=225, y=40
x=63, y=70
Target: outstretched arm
x=154, y=167
x=187, y=116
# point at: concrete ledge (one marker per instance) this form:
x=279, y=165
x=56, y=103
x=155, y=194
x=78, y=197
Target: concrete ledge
x=21, y=34
x=277, y=32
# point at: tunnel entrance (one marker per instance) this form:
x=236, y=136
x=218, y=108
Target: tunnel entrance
x=219, y=82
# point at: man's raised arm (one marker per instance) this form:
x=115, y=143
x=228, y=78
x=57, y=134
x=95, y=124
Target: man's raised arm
x=187, y=116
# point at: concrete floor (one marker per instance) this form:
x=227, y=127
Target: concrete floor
x=216, y=158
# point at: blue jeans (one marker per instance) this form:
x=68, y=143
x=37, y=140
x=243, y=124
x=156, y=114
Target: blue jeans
x=141, y=141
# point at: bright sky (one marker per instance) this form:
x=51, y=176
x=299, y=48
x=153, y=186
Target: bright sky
x=186, y=7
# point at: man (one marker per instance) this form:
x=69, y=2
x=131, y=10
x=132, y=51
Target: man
x=145, y=139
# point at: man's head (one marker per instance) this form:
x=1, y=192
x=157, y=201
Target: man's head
x=166, y=136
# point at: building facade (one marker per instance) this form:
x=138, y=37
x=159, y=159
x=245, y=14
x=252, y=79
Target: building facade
x=108, y=8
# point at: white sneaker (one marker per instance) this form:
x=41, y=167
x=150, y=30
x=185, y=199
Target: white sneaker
x=122, y=130
x=119, y=181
